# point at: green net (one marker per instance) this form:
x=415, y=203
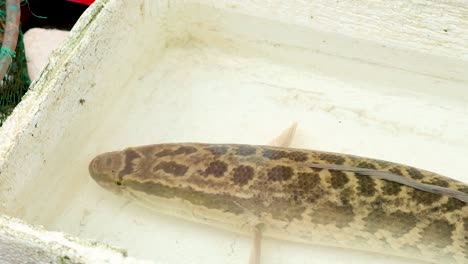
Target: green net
x=16, y=81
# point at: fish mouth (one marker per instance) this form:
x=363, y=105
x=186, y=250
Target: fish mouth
x=110, y=186
x=94, y=172
x=92, y=167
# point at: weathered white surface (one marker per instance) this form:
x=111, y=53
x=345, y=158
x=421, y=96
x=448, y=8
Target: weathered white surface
x=396, y=33
x=23, y=243
x=432, y=27
x=239, y=72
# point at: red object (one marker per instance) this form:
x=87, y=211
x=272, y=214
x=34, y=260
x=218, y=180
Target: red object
x=84, y=2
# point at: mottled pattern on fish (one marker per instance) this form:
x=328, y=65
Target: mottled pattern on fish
x=234, y=184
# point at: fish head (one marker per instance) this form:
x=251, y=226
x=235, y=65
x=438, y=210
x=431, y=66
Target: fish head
x=106, y=168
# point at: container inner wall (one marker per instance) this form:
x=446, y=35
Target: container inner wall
x=217, y=76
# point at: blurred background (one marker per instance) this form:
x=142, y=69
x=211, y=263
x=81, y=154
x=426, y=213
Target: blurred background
x=56, y=14
x=44, y=24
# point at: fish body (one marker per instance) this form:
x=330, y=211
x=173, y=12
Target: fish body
x=236, y=187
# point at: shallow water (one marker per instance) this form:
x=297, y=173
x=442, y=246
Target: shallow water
x=206, y=87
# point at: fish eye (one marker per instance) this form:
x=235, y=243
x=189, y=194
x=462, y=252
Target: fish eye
x=118, y=183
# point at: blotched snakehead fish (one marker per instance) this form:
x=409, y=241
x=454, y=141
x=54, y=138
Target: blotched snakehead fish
x=299, y=195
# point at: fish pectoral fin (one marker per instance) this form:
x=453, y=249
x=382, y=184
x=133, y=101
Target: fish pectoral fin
x=285, y=138
x=255, y=253
x=256, y=226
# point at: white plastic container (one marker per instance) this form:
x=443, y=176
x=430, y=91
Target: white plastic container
x=383, y=79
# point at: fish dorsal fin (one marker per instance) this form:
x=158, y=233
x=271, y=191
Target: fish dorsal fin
x=388, y=176
x=285, y=138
